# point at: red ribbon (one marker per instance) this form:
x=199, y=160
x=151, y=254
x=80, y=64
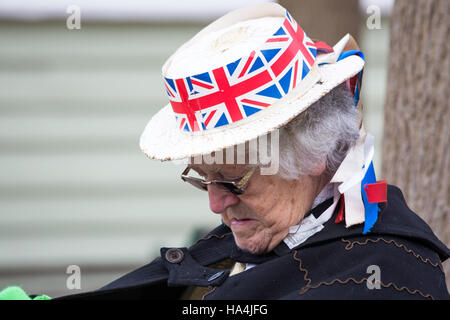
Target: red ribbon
x=322, y=47
x=340, y=215
x=376, y=192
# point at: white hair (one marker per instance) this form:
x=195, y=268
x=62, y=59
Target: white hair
x=322, y=134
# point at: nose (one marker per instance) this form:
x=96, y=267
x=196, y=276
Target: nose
x=220, y=199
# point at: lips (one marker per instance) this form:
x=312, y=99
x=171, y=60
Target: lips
x=240, y=222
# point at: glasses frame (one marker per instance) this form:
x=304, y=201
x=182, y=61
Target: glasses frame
x=237, y=188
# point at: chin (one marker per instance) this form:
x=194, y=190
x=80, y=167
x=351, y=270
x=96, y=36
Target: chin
x=252, y=246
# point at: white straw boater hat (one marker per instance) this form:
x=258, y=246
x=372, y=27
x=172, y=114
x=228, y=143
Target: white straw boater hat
x=242, y=76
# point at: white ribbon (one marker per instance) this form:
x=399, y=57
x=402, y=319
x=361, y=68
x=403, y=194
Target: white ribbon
x=350, y=174
x=337, y=50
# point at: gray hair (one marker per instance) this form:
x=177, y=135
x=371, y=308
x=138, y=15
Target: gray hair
x=323, y=133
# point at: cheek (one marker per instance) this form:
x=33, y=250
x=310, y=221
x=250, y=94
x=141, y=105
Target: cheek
x=267, y=207
x=274, y=215
x=261, y=202
x=267, y=213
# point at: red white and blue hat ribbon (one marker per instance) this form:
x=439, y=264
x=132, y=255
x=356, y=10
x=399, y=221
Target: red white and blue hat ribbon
x=360, y=192
x=354, y=83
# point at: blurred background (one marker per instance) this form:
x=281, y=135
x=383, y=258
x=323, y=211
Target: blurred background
x=75, y=188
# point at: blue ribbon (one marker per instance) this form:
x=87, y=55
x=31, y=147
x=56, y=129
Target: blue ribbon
x=370, y=209
x=346, y=54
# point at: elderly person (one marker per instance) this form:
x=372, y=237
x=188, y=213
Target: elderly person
x=308, y=221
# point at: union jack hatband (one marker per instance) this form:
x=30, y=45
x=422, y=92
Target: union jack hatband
x=243, y=87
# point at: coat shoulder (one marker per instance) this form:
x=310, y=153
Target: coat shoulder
x=370, y=267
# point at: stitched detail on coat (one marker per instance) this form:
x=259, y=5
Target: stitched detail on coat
x=305, y=277
x=390, y=284
x=211, y=290
x=350, y=245
x=213, y=235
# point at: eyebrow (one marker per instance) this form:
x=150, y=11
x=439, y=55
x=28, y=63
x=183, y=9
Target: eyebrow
x=218, y=171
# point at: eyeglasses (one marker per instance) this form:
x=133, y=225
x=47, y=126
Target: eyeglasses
x=232, y=186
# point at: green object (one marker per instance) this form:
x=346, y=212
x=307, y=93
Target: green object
x=17, y=293
x=42, y=297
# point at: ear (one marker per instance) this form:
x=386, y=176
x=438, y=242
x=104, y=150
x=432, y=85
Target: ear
x=319, y=169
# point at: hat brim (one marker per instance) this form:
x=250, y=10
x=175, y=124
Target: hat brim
x=162, y=140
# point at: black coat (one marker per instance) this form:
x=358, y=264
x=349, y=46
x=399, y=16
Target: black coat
x=332, y=264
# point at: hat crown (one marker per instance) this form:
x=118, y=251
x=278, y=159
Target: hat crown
x=221, y=47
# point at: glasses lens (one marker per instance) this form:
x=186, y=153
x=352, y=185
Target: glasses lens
x=197, y=180
x=196, y=183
